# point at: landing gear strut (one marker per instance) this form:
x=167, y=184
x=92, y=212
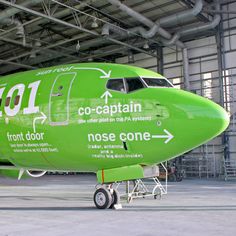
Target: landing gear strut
x=106, y=197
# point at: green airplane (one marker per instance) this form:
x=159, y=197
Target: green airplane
x=115, y=120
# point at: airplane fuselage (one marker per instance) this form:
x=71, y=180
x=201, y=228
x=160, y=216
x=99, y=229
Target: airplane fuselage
x=82, y=118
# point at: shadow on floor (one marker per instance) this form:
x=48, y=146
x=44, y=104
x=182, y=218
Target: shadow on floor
x=128, y=208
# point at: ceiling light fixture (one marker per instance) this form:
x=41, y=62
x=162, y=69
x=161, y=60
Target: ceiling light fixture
x=130, y=57
x=94, y=23
x=146, y=45
x=37, y=44
x=34, y=52
x=77, y=48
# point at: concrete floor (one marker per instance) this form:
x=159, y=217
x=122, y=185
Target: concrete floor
x=63, y=205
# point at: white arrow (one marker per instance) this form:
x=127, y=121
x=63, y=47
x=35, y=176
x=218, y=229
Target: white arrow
x=43, y=118
x=104, y=76
x=106, y=95
x=168, y=136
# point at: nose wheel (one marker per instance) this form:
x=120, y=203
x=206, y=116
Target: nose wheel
x=105, y=198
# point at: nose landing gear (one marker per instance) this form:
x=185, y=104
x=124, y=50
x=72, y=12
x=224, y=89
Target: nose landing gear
x=107, y=197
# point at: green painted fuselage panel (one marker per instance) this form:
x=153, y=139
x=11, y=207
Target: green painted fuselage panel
x=61, y=118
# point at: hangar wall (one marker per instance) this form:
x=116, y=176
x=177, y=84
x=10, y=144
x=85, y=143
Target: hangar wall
x=212, y=75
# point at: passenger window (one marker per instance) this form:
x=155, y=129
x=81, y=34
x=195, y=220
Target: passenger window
x=7, y=103
x=116, y=84
x=16, y=100
x=134, y=84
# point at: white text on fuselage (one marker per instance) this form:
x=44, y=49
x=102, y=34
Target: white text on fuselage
x=111, y=110
x=55, y=70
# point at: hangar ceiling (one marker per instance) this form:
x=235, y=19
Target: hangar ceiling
x=37, y=33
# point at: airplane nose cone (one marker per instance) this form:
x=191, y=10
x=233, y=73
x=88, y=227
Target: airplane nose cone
x=218, y=118
x=209, y=117
x=198, y=119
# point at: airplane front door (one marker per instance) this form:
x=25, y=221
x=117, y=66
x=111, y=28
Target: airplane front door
x=60, y=99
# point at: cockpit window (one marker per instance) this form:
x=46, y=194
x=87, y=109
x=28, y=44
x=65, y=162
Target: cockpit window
x=116, y=84
x=157, y=82
x=134, y=84
x=127, y=85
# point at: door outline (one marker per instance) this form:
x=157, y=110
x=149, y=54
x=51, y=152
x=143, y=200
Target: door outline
x=66, y=122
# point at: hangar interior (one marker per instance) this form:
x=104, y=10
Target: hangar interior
x=191, y=42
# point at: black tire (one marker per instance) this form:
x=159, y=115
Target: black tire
x=179, y=177
x=172, y=178
x=115, y=198
x=102, y=198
